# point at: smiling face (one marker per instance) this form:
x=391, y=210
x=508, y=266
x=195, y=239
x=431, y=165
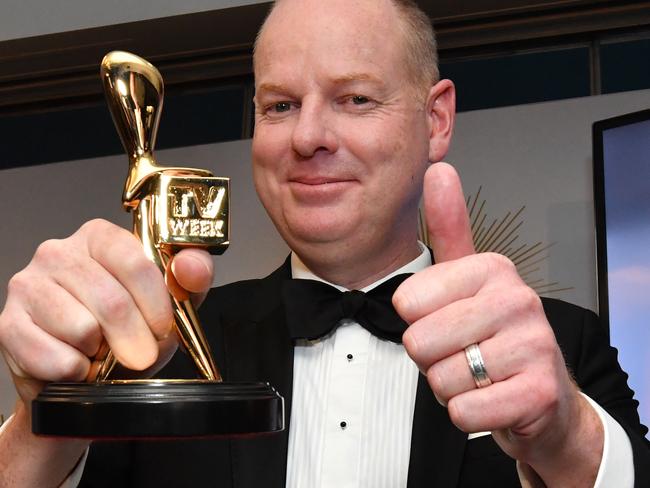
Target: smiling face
x=342, y=136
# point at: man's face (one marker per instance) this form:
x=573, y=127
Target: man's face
x=342, y=135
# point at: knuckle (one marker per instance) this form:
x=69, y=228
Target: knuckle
x=546, y=395
x=532, y=300
x=18, y=284
x=10, y=327
x=95, y=225
x=88, y=337
x=520, y=304
x=43, y=362
x=116, y=306
x=544, y=342
x=100, y=235
x=527, y=300
x=5, y=320
x=48, y=251
x=69, y=367
x=537, y=345
x=498, y=263
x=139, y=267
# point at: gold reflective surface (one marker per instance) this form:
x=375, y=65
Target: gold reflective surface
x=161, y=381
x=173, y=207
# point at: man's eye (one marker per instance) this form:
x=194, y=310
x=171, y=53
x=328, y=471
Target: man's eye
x=281, y=107
x=359, y=99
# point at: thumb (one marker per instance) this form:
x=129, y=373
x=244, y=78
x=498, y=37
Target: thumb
x=445, y=213
x=192, y=270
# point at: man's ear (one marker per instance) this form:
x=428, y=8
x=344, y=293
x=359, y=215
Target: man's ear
x=441, y=110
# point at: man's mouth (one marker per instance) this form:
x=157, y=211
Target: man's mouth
x=319, y=189
x=319, y=180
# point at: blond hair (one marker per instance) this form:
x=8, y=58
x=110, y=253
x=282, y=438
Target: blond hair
x=421, y=45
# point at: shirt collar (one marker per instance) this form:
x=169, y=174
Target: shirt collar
x=301, y=272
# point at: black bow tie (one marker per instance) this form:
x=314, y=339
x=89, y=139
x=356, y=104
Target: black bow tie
x=314, y=308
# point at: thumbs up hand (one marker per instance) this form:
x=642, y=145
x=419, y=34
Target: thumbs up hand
x=529, y=403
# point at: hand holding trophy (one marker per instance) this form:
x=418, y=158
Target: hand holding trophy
x=173, y=208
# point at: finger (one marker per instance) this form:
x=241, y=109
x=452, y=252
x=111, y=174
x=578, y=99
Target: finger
x=123, y=326
x=167, y=349
x=450, y=329
x=453, y=327
x=120, y=253
x=445, y=213
x=33, y=353
x=62, y=316
x=438, y=286
x=193, y=269
x=503, y=358
x=510, y=404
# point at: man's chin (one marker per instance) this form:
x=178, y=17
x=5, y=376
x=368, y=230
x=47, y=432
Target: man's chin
x=320, y=234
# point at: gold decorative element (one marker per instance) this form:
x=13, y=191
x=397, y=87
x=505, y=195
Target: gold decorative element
x=501, y=236
x=173, y=207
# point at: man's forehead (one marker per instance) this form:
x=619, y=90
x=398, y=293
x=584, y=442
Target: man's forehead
x=351, y=39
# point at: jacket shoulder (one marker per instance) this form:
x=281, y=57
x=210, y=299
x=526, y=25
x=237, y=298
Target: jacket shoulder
x=572, y=324
x=254, y=298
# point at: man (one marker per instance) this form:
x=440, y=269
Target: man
x=349, y=114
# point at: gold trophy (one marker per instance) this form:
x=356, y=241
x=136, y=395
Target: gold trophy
x=173, y=208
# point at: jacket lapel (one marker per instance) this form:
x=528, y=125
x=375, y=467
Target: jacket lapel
x=258, y=348
x=437, y=446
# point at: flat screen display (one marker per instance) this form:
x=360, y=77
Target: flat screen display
x=622, y=197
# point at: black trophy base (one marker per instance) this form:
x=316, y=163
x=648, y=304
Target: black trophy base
x=157, y=409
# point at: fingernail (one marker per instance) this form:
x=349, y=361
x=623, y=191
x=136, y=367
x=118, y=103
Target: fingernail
x=409, y=342
x=400, y=301
x=173, y=267
x=439, y=400
x=203, y=263
x=405, y=305
x=199, y=261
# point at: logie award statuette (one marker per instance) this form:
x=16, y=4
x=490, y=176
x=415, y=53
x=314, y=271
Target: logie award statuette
x=173, y=208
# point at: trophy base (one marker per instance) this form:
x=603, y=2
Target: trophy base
x=137, y=409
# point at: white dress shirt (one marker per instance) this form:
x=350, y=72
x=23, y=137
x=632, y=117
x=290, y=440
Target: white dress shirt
x=352, y=411
x=353, y=404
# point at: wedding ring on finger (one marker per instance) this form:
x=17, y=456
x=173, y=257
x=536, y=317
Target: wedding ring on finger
x=477, y=366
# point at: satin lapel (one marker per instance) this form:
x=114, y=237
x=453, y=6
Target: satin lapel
x=260, y=349
x=437, y=446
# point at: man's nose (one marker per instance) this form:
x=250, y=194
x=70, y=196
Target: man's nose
x=314, y=131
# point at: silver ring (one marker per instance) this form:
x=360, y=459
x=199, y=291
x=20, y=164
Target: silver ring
x=477, y=366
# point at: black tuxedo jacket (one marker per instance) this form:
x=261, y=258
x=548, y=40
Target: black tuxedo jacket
x=245, y=324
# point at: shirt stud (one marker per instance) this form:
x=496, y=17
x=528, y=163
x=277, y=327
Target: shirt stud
x=343, y=424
